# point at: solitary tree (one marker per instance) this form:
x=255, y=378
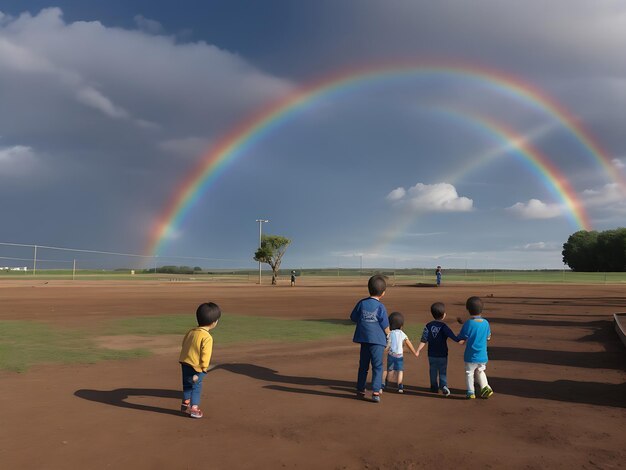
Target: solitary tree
x=272, y=249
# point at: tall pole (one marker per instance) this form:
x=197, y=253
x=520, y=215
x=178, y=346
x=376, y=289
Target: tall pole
x=260, y=221
x=74, y=271
x=35, y=261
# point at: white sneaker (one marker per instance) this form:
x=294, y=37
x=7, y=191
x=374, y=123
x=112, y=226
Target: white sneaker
x=446, y=391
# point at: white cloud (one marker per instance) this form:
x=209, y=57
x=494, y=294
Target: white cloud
x=17, y=160
x=619, y=163
x=536, y=209
x=610, y=201
x=147, y=25
x=609, y=194
x=438, y=197
x=186, y=146
x=541, y=246
x=92, y=97
x=396, y=194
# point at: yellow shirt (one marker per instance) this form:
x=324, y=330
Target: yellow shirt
x=197, y=349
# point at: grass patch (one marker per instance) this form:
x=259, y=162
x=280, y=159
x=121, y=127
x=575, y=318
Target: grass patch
x=243, y=328
x=24, y=344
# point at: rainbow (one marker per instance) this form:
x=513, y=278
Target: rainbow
x=514, y=144
x=236, y=142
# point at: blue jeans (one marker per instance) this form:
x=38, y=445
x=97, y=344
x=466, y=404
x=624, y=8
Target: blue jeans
x=438, y=365
x=371, y=353
x=192, y=390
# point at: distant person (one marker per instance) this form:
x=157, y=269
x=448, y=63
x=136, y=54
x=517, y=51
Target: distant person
x=436, y=334
x=293, y=278
x=372, y=329
x=438, y=273
x=395, y=352
x=195, y=356
x=476, y=332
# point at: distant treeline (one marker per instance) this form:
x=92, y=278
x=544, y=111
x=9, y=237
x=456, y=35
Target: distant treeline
x=174, y=270
x=596, y=251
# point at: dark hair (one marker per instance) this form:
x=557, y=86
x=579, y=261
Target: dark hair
x=377, y=285
x=208, y=313
x=396, y=321
x=474, y=305
x=438, y=310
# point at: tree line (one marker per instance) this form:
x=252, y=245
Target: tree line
x=591, y=251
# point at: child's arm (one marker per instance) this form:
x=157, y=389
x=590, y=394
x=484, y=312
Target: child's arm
x=410, y=346
x=423, y=341
x=354, y=316
x=206, y=350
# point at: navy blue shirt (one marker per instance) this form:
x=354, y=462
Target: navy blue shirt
x=436, y=334
x=370, y=316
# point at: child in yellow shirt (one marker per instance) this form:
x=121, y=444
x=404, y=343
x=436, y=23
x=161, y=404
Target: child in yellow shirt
x=195, y=357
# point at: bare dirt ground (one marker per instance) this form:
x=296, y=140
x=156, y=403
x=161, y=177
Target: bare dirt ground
x=556, y=365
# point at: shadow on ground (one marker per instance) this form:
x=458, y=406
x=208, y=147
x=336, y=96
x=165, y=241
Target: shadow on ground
x=591, y=360
x=590, y=393
x=330, y=387
x=119, y=396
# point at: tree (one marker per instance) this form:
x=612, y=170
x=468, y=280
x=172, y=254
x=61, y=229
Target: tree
x=611, y=248
x=579, y=251
x=272, y=249
x=593, y=251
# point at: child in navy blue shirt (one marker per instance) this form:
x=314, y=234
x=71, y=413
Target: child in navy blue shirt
x=372, y=330
x=436, y=334
x=476, y=332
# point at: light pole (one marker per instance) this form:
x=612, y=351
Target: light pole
x=260, y=221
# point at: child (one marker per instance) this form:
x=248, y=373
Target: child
x=293, y=278
x=436, y=334
x=195, y=357
x=438, y=275
x=476, y=332
x=395, y=354
x=372, y=329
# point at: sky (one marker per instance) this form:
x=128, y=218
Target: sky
x=108, y=107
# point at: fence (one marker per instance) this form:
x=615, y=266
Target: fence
x=22, y=260
x=45, y=261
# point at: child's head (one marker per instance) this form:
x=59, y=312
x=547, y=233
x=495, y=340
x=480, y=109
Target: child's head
x=396, y=321
x=208, y=314
x=377, y=285
x=438, y=310
x=474, y=305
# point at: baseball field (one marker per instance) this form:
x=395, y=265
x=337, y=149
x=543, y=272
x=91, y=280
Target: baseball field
x=90, y=378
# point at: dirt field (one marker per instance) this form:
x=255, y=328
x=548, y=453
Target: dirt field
x=556, y=366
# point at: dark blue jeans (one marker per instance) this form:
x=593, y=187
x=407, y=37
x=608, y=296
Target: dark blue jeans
x=192, y=390
x=438, y=365
x=370, y=353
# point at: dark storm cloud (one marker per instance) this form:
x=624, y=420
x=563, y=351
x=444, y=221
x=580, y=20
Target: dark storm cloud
x=99, y=112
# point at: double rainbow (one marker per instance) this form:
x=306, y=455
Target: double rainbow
x=513, y=144
x=236, y=142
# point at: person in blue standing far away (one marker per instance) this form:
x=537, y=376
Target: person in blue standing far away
x=438, y=276
x=372, y=332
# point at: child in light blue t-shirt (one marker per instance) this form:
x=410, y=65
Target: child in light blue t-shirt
x=476, y=333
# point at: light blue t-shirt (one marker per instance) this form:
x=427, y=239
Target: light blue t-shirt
x=475, y=332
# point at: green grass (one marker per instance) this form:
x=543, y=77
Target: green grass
x=486, y=276
x=24, y=344
x=243, y=328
